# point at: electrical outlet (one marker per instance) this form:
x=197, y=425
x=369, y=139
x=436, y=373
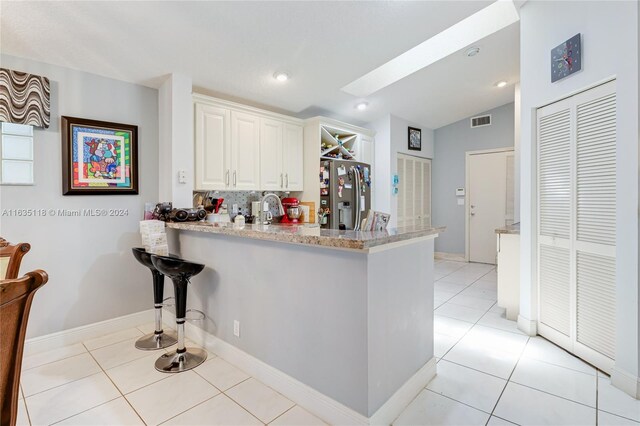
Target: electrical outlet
x=236, y=328
x=234, y=209
x=182, y=176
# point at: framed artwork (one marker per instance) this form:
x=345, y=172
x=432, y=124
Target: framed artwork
x=415, y=139
x=566, y=58
x=99, y=157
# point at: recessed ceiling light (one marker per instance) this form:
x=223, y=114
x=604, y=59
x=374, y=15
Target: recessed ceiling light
x=281, y=76
x=493, y=18
x=501, y=83
x=362, y=106
x=473, y=51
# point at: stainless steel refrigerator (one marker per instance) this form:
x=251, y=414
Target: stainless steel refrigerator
x=345, y=189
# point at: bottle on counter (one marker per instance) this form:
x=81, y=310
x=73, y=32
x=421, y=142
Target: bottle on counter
x=239, y=219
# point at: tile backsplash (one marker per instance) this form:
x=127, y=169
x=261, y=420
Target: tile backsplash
x=243, y=199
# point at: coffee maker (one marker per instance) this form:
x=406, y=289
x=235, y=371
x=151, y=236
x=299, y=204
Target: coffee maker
x=292, y=210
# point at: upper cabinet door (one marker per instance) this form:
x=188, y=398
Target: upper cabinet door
x=293, y=160
x=364, y=154
x=245, y=151
x=212, y=148
x=271, y=173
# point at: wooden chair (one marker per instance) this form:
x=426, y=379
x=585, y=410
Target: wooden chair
x=15, y=302
x=10, y=258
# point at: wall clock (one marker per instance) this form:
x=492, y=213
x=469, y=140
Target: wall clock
x=566, y=58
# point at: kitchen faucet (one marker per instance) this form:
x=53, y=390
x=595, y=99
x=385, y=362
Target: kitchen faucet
x=263, y=215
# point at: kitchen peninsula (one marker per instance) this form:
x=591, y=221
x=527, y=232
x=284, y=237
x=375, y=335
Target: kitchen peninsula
x=347, y=313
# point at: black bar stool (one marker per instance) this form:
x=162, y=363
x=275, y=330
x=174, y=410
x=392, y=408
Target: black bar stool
x=159, y=338
x=180, y=271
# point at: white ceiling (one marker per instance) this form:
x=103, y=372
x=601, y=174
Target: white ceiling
x=232, y=49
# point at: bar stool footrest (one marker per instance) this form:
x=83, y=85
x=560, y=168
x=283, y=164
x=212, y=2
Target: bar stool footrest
x=199, y=315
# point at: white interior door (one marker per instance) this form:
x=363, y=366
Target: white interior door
x=577, y=224
x=487, y=195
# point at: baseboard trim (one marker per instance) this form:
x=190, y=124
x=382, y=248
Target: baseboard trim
x=326, y=408
x=626, y=382
x=391, y=409
x=312, y=400
x=527, y=326
x=457, y=257
x=85, y=332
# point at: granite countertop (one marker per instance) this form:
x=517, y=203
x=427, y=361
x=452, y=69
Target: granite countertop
x=311, y=234
x=509, y=229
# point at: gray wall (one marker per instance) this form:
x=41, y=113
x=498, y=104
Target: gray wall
x=448, y=170
x=341, y=322
x=92, y=274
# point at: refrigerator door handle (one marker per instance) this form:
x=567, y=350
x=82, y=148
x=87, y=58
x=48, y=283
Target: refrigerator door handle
x=356, y=181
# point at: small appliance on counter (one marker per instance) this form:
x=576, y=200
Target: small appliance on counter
x=187, y=215
x=162, y=211
x=292, y=210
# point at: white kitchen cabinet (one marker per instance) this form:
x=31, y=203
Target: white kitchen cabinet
x=508, y=273
x=213, y=156
x=245, y=151
x=364, y=152
x=271, y=141
x=281, y=162
x=292, y=158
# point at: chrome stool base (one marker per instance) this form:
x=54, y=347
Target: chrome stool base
x=174, y=362
x=152, y=342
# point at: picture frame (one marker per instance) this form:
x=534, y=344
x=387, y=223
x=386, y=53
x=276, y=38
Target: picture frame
x=98, y=157
x=415, y=139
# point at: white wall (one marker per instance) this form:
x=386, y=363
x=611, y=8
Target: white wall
x=392, y=135
x=449, y=170
x=92, y=273
x=610, y=46
x=382, y=167
x=516, y=152
x=176, y=144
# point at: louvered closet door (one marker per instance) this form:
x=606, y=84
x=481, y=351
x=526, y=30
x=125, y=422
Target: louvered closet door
x=426, y=193
x=596, y=224
x=554, y=218
x=577, y=224
x=414, y=191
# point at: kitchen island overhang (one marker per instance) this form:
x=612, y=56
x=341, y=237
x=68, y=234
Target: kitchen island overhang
x=348, y=314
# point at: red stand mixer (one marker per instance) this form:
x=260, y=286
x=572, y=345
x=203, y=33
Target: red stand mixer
x=292, y=210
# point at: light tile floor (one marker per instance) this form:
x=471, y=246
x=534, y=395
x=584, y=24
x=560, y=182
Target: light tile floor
x=489, y=373
x=106, y=381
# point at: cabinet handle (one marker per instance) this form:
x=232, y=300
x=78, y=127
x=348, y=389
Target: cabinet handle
x=234, y=178
x=287, y=177
x=227, y=178
x=281, y=181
